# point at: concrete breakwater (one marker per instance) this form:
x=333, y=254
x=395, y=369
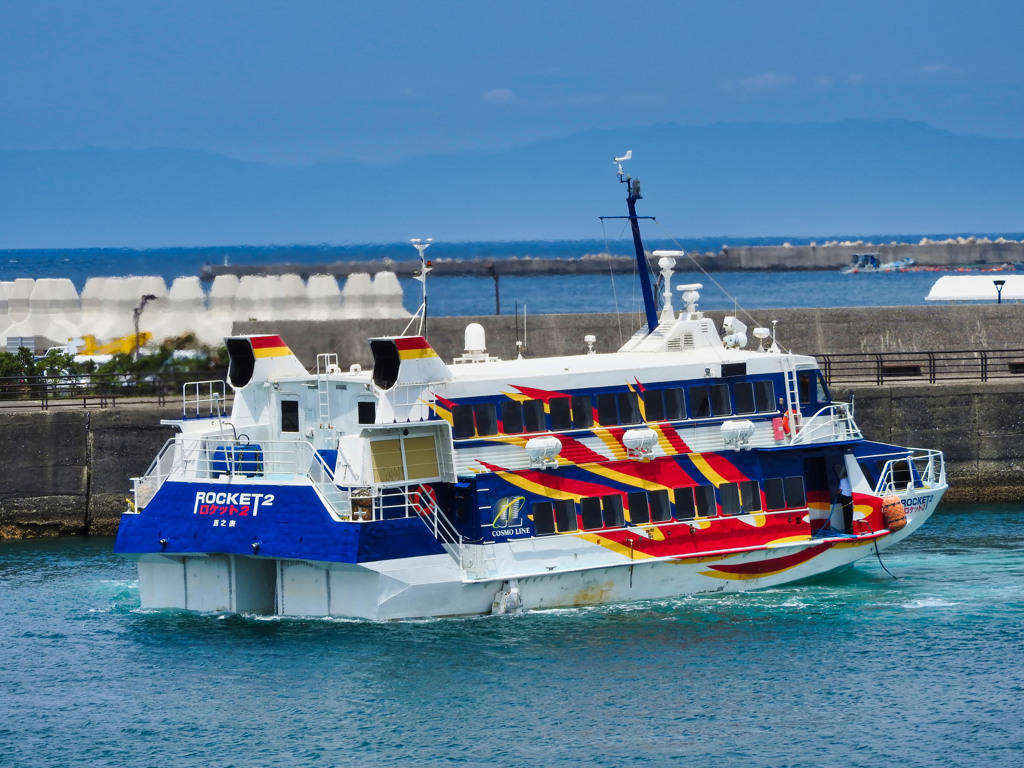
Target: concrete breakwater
x=68, y=471
x=826, y=256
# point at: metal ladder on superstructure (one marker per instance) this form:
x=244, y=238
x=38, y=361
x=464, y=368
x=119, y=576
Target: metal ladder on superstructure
x=792, y=392
x=325, y=364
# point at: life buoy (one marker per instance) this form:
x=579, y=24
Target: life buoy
x=785, y=420
x=423, y=500
x=893, y=514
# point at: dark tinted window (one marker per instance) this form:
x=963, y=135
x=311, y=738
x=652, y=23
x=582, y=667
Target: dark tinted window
x=720, y=405
x=607, y=413
x=675, y=408
x=462, y=421
x=743, y=392
x=613, y=513
x=582, y=411
x=543, y=517
x=795, y=496
x=289, y=415
x=565, y=515
x=629, y=408
x=561, y=414
x=661, y=510
x=685, y=509
x=590, y=513
x=750, y=496
x=511, y=417
x=734, y=369
x=486, y=418
x=705, y=497
x=729, y=494
x=774, y=493
x=639, y=509
x=764, y=396
x=533, y=416
x=700, y=402
x=654, y=405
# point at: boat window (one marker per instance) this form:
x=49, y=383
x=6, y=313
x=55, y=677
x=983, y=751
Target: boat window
x=543, y=517
x=462, y=421
x=511, y=417
x=709, y=400
x=582, y=411
x=774, y=493
x=561, y=413
x=629, y=408
x=611, y=506
x=795, y=496
x=654, y=405
x=486, y=419
x=743, y=392
x=607, y=412
x=729, y=493
x=700, y=403
x=750, y=496
x=289, y=415
x=404, y=458
x=366, y=411
x=639, y=508
x=420, y=457
x=705, y=497
x=734, y=369
x=675, y=407
x=590, y=512
x=661, y=510
x=565, y=515
x=720, y=405
x=823, y=394
x=685, y=509
x=764, y=396
x=533, y=416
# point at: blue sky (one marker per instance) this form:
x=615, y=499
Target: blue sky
x=302, y=81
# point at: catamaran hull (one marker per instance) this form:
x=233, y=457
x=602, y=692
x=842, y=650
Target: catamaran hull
x=434, y=585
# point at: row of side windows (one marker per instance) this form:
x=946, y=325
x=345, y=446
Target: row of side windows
x=610, y=409
x=643, y=507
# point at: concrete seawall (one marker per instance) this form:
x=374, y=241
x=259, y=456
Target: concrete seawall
x=68, y=472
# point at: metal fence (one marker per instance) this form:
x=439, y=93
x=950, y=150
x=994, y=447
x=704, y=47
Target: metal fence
x=931, y=367
x=92, y=389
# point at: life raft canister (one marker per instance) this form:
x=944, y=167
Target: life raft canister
x=893, y=514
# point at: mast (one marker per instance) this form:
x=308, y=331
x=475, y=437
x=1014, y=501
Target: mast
x=632, y=195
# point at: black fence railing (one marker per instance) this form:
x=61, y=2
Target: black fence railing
x=92, y=389
x=931, y=367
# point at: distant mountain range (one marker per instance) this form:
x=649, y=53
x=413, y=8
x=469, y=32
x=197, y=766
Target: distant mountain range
x=841, y=179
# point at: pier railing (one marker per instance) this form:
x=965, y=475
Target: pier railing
x=931, y=367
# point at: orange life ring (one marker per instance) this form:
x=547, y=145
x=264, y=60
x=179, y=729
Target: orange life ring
x=785, y=420
x=423, y=500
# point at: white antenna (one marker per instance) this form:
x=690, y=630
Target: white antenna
x=620, y=160
x=421, y=275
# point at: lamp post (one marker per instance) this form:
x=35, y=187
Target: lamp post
x=136, y=314
x=999, y=290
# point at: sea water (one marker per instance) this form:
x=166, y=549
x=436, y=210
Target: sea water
x=917, y=663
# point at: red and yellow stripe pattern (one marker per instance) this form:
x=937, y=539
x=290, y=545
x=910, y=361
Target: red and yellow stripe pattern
x=413, y=348
x=268, y=346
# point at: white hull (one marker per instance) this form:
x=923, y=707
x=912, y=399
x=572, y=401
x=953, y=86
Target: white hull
x=434, y=586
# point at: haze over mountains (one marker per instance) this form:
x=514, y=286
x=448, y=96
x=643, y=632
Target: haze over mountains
x=841, y=179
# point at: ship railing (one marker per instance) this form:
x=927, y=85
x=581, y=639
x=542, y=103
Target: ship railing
x=203, y=400
x=833, y=422
x=419, y=501
x=227, y=454
x=917, y=469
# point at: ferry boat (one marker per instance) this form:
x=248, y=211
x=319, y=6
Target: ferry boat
x=689, y=461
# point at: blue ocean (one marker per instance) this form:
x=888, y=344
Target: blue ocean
x=917, y=663
x=477, y=296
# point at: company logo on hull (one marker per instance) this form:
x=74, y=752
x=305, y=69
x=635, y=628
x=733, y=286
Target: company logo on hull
x=229, y=504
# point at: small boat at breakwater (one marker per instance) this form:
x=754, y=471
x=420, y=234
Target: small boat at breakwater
x=688, y=461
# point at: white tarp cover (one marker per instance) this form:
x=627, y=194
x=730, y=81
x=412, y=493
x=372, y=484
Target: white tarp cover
x=977, y=288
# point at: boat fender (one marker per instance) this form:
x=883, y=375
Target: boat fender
x=893, y=514
x=423, y=499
